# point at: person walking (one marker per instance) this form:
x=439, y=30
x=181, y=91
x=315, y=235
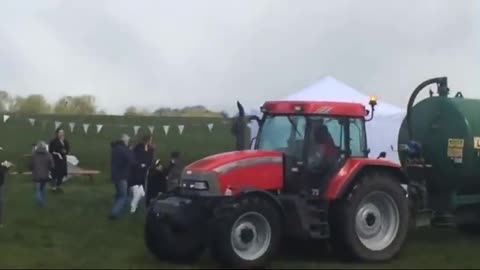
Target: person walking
x=4, y=167
x=59, y=147
x=120, y=163
x=41, y=164
x=143, y=154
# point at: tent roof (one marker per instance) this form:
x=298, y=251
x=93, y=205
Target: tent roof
x=331, y=89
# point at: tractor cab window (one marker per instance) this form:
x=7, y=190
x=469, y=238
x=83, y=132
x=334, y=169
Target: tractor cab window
x=332, y=126
x=357, y=138
x=283, y=133
x=337, y=129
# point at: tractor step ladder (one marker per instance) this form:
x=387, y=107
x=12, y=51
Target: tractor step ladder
x=319, y=227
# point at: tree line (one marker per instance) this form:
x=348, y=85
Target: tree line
x=86, y=105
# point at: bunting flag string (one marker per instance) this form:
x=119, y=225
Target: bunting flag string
x=85, y=127
x=57, y=124
x=100, y=127
x=165, y=129
x=210, y=127
x=72, y=126
x=151, y=128
x=180, y=129
x=135, y=129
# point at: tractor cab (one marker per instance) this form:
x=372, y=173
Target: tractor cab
x=316, y=138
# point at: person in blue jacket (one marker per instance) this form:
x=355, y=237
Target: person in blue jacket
x=122, y=160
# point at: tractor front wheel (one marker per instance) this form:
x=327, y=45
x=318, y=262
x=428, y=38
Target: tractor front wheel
x=373, y=221
x=246, y=233
x=170, y=243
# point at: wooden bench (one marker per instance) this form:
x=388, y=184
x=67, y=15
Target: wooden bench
x=81, y=172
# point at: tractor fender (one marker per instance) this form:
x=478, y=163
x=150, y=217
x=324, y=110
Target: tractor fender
x=265, y=195
x=345, y=179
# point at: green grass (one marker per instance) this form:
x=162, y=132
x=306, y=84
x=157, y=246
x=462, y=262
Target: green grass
x=72, y=231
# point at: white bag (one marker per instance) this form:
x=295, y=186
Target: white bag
x=138, y=193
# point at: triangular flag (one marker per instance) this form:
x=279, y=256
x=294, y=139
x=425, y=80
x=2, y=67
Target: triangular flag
x=32, y=121
x=210, y=127
x=72, y=126
x=135, y=129
x=85, y=127
x=180, y=129
x=99, y=128
x=151, y=128
x=5, y=118
x=57, y=124
x=165, y=129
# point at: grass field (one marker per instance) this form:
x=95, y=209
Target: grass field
x=72, y=231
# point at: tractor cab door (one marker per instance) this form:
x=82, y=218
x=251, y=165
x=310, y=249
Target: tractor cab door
x=329, y=142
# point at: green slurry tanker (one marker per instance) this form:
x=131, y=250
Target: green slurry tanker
x=439, y=149
x=309, y=176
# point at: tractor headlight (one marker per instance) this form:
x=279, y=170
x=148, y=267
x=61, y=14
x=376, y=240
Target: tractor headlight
x=195, y=184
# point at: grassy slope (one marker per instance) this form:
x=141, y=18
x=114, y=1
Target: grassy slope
x=72, y=232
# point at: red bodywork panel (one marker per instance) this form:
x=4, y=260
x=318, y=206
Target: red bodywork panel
x=316, y=107
x=259, y=169
x=351, y=167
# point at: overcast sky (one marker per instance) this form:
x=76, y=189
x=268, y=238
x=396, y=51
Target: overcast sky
x=213, y=52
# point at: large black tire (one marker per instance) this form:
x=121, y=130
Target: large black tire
x=168, y=243
x=346, y=239
x=469, y=228
x=259, y=210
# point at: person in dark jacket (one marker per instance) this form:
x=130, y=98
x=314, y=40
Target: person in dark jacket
x=59, y=147
x=156, y=182
x=143, y=153
x=174, y=171
x=121, y=161
x=41, y=164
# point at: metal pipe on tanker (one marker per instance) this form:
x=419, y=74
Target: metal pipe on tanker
x=443, y=90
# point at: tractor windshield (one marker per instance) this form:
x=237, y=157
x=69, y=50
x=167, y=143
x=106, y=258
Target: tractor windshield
x=283, y=133
x=287, y=133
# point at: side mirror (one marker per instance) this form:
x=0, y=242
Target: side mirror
x=382, y=155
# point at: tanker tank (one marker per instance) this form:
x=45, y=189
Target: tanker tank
x=439, y=144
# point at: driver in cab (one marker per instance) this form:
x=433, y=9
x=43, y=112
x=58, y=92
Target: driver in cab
x=323, y=152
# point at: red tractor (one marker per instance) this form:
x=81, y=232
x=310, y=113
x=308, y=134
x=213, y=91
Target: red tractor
x=308, y=177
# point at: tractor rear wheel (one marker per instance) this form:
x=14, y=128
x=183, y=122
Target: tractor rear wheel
x=246, y=234
x=372, y=223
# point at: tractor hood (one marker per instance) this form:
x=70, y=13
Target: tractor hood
x=238, y=170
x=230, y=160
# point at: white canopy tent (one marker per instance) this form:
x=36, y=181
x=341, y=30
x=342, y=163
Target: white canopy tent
x=382, y=131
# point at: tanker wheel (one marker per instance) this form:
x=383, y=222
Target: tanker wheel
x=372, y=223
x=168, y=243
x=246, y=234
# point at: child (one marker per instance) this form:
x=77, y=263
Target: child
x=4, y=166
x=156, y=182
x=41, y=164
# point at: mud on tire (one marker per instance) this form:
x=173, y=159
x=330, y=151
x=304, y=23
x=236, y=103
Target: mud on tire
x=232, y=233
x=358, y=218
